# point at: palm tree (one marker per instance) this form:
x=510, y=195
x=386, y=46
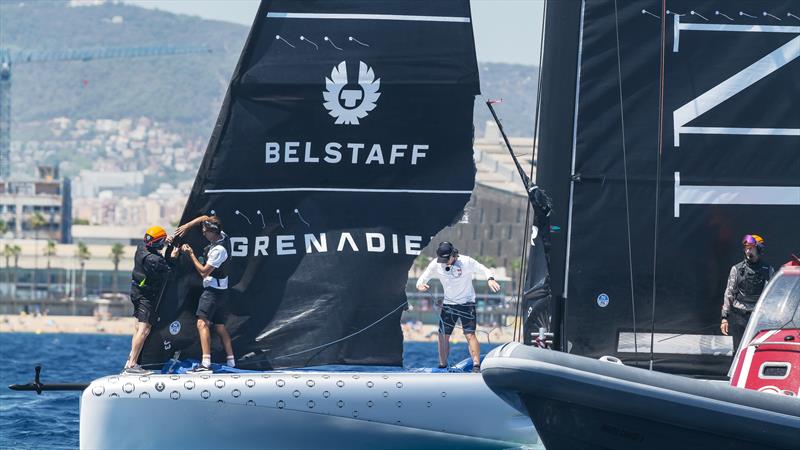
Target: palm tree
x=83, y=255
x=49, y=251
x=117, y=250
x=15, y=251
x=8, y=253
x=37, y=221
x=516, y=268
x=420, y=263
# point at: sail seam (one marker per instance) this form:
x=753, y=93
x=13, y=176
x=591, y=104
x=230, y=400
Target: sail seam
x=310, y=189
x=400, y=17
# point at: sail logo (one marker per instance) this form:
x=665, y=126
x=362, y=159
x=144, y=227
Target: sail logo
x=349, y=102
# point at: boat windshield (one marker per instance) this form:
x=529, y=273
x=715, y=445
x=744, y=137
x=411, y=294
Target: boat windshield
x=778, y=307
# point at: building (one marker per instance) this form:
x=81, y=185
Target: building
x=89, y=183
x=21, y=200
x=493, y=226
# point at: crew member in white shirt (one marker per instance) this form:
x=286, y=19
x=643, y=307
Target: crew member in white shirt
x=456, y=273
x=212, y=307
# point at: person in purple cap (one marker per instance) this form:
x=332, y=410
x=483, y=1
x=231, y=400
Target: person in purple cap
x=746, y=281
x=456, y=273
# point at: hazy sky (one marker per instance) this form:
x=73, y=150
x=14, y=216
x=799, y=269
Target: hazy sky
x=505, y=30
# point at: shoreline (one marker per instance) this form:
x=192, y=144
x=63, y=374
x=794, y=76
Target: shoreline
x=123, y=326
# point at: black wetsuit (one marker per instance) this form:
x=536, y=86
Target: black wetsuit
x=150, y=271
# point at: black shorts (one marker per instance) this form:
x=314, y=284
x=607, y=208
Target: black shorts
x=142, y=307
x=451, y=314
x=212, y=305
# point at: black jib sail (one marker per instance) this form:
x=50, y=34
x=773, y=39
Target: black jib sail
x=670, y=129
x=344, y=143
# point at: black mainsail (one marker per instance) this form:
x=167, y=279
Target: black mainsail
x=669, y=130
x=344, y=143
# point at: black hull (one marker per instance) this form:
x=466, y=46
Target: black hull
x=581, y=403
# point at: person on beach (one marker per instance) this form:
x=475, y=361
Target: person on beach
x=211, y=308
x=150, y=271
x=746, y=281
x=456, y=273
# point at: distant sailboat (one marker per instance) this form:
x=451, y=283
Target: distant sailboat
x=344, y=143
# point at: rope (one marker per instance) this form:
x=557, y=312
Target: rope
x=625, y=170
x=523, y=276
x=460, y=325
x=345, y=337
x=658, y=172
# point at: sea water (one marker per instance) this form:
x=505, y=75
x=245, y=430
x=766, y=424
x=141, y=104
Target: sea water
x=50, y=420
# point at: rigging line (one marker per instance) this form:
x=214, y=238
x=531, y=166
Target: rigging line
x=523, y=273
x=404, y=303
x=526, y=183
x=658, y=175
x=625, y=172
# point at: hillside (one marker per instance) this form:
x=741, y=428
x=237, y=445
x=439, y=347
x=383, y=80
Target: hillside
x=183, y=91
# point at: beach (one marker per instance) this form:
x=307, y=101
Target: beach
x=26, y=323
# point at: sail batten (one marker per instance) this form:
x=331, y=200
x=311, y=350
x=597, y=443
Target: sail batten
x=397, y=17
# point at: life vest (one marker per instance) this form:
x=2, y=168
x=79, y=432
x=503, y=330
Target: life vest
x=220, y=272
x=144, y=281
x=750, y=281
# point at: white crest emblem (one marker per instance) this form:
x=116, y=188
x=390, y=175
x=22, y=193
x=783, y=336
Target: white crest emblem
x=349, y=105
x=174, y=328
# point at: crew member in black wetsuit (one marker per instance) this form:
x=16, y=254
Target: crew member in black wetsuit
x=745, y=283
x=212, y=308
x=150, y=271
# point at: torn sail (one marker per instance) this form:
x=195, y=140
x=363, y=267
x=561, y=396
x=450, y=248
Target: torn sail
x=344, y=143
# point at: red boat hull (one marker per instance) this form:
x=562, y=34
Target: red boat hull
x=770, y=363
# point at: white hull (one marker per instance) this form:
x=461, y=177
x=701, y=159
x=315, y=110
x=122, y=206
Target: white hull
x=299, y=410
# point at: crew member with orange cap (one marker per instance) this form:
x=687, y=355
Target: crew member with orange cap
x=150, y=270
x=746, y=281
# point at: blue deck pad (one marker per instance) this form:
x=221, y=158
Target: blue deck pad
x=175, y=366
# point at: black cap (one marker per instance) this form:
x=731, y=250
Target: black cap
x=444, y=252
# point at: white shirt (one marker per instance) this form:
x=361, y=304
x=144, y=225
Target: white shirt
x=457, y=281
x=216, y=256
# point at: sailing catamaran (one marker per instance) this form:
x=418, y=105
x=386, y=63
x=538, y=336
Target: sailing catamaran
x=344, y=143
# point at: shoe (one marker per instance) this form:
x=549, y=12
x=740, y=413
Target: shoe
x=201, y=369
x=135, y=370
x=443, y=366
x=476, y=369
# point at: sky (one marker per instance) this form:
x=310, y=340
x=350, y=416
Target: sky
x=506, y=31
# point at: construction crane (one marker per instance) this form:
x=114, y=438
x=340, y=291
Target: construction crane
x=9, y=58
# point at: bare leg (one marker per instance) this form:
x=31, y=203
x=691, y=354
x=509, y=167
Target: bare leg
x=474, y=348
x=205, y=336
x=226, y=338
x=137, y=342
x=444, y=348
